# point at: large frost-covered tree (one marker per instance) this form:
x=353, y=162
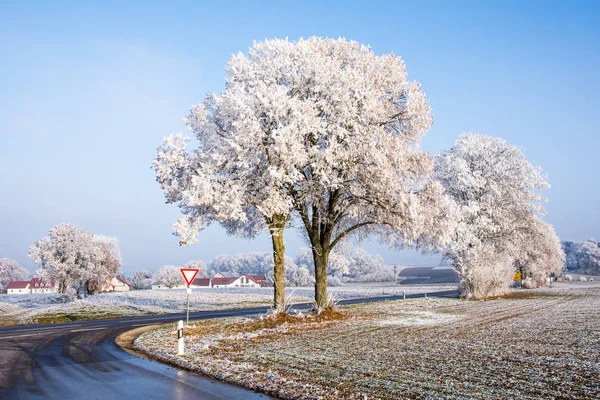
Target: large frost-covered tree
x=10, y=271
x=233, y=177
x=76, y=258
x=497, y=193
x=342, y=125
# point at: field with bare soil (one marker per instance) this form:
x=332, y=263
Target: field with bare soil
x=535, y=344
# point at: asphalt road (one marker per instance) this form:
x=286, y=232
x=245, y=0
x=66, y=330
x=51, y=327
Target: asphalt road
x=80, y=360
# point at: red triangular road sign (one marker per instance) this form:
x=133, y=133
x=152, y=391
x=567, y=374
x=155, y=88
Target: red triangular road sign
x=189, y=274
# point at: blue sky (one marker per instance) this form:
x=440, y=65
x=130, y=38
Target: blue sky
x=88, y=91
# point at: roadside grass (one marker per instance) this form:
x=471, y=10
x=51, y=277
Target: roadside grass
x=534, y=344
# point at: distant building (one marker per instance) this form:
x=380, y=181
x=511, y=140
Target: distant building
x=18, y=287
x=223, y=280
x=201, y=283
x=240, y=281
x=218, y=281
x=117, y=284
x=224, y=275
x=37, y=286
x=261, y=279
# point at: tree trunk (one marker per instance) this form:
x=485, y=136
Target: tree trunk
x=321, y=260
x=278, y=270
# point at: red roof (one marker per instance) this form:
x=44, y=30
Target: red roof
x=37, y=283
x=201, y=282
x=258, y=278
x=18, y=285
x=222, y=281
x=122, y=279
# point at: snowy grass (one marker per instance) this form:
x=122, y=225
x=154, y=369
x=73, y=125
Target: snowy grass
x=49, y=308
x=536, y=344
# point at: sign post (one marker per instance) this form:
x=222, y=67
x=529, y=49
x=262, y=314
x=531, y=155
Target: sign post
x=188, y=274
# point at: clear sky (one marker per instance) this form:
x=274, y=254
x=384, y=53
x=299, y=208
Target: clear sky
x=88, y=91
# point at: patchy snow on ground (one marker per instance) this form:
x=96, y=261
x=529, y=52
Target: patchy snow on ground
x=418, y=318
x=48, y=308
x=535, y=344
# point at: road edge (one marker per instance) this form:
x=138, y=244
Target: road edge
x=125, y=341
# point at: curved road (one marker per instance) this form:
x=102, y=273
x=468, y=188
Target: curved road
x=81, y=360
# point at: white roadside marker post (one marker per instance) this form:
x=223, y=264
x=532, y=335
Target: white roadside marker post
x=180, y=338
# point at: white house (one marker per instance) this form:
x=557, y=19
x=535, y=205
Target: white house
x=36, y=285
x=117, y=284
x=18, y=287
x=240, y=281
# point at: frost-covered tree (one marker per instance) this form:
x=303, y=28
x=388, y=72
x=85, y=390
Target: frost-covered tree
x=344, y=125
x=571, y=250
x=199, y=265
x=10, y=271
x=107, y=263
x=299, y=276
x=141, y=280
x=366, y=267
x=169, y=276
x=233, y=177
x=75, y=257
x=541, y=255
x=588, y=258
x=497, y=194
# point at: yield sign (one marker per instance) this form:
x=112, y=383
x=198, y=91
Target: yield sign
x=189, y=274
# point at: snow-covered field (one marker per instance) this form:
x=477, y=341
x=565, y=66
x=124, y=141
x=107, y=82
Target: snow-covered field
x=537, y=344
x=48, y=308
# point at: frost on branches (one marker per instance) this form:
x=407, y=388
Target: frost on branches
x=76, y=258
x=340, y=127
x=141, y=280
x=199, y=265
x=541, y=255
x=588, y=258
x=583, y=257
x=321, y=127
x=169, y=276
x=11, y=271
x=497, y=193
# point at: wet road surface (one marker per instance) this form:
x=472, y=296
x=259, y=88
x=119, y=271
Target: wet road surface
x=80, y=360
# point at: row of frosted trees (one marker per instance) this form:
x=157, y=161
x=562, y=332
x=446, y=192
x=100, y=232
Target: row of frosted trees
x=324, y=134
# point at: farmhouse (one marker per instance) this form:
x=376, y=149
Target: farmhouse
x=201, y=283
x=240, y=281
x=18, y=287
x=36, y=285
x=223, y=282
x=117, y=284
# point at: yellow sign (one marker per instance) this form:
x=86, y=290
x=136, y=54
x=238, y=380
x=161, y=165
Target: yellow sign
x=517, y=276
